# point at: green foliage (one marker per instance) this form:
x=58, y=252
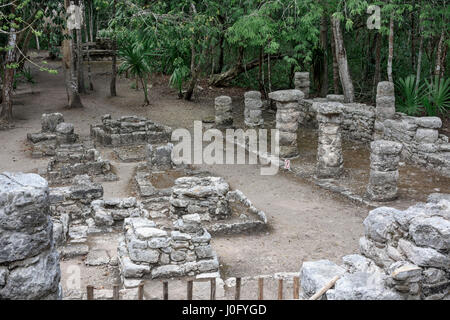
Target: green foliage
x=437, y=97
x=179, y=75
x=410, y=99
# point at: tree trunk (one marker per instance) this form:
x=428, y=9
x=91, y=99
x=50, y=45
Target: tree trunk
x=112, y=86
x=377, y=75
x=74, y=100
x=323, y=87
x=260, y=70
x=80, y=69
x=8, y=76
x=220, y=61
x=269, y=73
x=91, y=20
x=194, y=73
x=419, y=60
x=391, y=48
x=335, y=65
x=225, y=77
x=341, y=54
x=438, y=67
x=443, y=61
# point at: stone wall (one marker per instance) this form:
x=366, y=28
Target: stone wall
x=73, y=160
x=129, y=130
x=29, y=263
x=150, y=251
x=357, y=119
x=404, y=255
x=422, y=143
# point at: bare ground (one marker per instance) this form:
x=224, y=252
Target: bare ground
x=306, y=222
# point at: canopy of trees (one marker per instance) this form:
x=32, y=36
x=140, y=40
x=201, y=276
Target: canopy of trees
x=348, y=46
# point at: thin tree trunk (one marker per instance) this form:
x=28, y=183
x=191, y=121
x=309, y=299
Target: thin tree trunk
x=38, y=46
x=344, y=72
x=80, y=69
x=419, y=60
x=8, y=78
x=69, y=64
x=335, y=66
x=438, y=67
x=391, y=48
x=112, y=86
x=269, y=72
x=88, y=56
x=260, y=71
x=377, y=75
x=194, y=70
x=144, y=87
x=324, y=46
x=91, y=20
x=220, y=61
x=443, y=61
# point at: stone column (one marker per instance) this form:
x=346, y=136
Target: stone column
x=253, y=109
x=224, y=114
x=385, y=106
x=330, y=162
x=29, y=262
x=384, y=159
x=288, y=113
x=302, y=83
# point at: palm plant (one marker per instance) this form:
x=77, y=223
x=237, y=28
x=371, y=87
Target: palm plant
x=411, y=96
x=136, y=63
x=437, y=98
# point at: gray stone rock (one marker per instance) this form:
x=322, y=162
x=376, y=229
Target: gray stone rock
x=380, y=224
x=424, y=257
x=315, y=274
x=429, y=122
x=431, y=232
x=168, y=271
x=286, y=95
x=50, y=121
x=65, y=128
x=362, y=286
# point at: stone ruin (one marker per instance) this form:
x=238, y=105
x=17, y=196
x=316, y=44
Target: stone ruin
x=129, y=130
x=404, y=256
x=223, y=112
x=150, y=251
x=288, y=112
x=29, y=262
x=79, y=210
x=72, y=160
x=330, y=163
x=384, y=160
x=54, y=133
x=221, y=210
x=253, y=109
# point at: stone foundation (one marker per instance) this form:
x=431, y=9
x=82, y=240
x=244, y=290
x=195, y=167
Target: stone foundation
x=29, y=263
x=129, y=130
x=73, y=160
x=54, y=132
x=404, y=256
x=148, y=251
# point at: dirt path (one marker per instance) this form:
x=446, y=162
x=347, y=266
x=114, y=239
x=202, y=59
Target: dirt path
x=306, y=222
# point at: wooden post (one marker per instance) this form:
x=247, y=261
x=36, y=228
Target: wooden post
x=90, y=292
x=280, y=289
x=141, y=291
x=116, y=292
x=261, y=289
x=165, y=290
x=325, y=288
x=237, y=296
x=190, y=285
x=213, y=289
x=296, y=287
